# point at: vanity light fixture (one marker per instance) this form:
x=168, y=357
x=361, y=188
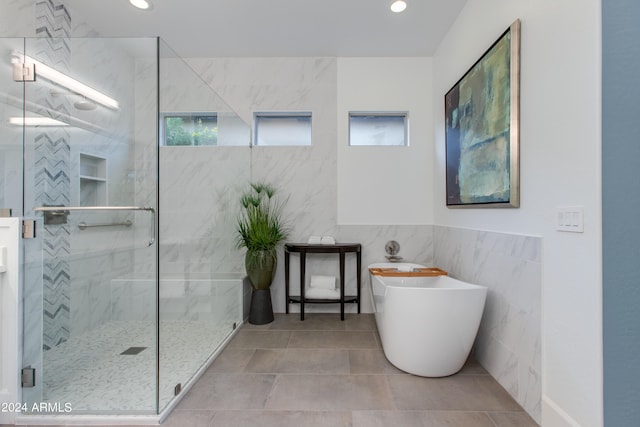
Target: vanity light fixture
x=61, y=79
x=141, y=4
x=36, y=121
x=398, y=6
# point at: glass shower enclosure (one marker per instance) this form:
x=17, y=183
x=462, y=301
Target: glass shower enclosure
x=130, y=283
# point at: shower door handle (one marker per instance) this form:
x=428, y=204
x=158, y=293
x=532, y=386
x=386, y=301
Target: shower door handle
x=58, y=209
x=152, y=240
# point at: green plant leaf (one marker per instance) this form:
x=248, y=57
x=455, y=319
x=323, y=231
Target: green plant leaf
x=260, y=225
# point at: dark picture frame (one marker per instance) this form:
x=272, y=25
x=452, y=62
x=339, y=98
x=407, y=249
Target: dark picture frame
x=482, y=135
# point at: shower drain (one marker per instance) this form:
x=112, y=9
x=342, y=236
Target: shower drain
x=133, y=350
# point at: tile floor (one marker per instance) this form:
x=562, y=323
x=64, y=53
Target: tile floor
x=90, y=372
x=326, y=372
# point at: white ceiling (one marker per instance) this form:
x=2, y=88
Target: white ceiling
x=257, y=28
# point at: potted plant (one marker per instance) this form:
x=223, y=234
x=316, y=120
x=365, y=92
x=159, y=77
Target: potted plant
x=260, y=229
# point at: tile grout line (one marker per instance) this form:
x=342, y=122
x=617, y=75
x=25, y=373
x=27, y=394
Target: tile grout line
x=393, y=401
x=276, y=381
x=490, y=418
x=289, y=340
x=246, y=364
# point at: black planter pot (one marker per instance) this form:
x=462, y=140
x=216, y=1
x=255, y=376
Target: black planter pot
x=261, y=311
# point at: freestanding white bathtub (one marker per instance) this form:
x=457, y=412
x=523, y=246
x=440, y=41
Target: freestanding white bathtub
x=427, y=324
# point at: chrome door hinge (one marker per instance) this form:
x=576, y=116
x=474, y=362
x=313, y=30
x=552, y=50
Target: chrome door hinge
x=29, y=229
x=24, y=72
x=28, y=376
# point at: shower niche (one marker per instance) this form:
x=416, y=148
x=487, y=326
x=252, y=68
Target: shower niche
x=93, y=180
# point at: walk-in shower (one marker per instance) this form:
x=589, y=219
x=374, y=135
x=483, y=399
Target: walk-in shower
x=129, y=166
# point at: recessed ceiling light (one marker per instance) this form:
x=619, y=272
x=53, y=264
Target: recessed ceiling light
x=398, y=6
x=141, y=4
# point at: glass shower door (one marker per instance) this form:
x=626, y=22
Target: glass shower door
x=204, y=166
x=90, y=184
x=11, y=101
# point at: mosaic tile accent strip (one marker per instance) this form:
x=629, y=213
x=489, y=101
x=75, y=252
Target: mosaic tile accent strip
x=52, y=183
x=52, y=19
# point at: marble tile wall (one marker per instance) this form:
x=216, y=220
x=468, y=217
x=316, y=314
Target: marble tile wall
x=509, y=339
x=204, y=299
x=99, y=255
x=212, y=299
x=92, y=296
x=133, y=299
x=198, y=186
x=306, y=175
x=199, y=190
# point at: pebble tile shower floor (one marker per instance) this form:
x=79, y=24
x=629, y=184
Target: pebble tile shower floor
x=114, y=367
x=326, y=372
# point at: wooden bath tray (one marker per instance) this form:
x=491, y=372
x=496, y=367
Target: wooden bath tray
x=417, y=272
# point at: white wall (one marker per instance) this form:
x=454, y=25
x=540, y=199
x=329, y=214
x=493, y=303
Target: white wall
x=560, y=166
x=371, y=177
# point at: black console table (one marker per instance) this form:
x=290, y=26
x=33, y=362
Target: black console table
x=303, y=249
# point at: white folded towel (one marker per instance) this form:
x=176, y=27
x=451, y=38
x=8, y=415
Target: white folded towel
x=327, y=240
x=404, y=268
x=314, y=240
x=319, y=293
x=323, y=282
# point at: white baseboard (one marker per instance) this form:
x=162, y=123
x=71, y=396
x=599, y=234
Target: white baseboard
x=554, y=416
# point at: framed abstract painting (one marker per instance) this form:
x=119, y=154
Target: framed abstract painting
x=482, y=115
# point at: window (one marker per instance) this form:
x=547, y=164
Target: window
x=388, y=129
x=189, y=129
x=282, y=128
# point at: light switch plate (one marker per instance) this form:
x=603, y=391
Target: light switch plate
x=570, y=218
